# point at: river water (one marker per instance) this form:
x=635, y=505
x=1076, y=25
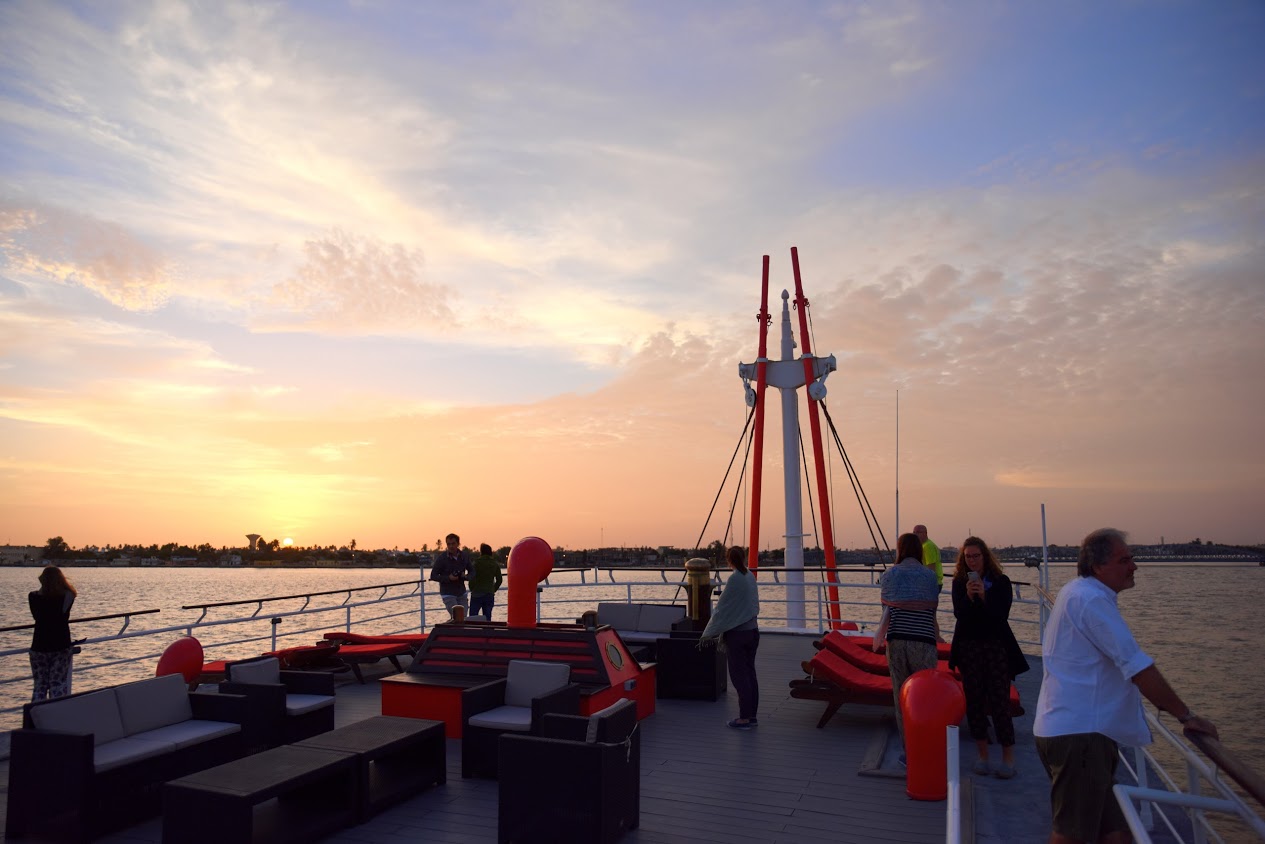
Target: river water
x=1200, y=622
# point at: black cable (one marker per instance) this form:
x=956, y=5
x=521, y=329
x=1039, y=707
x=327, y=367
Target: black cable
x=729, y=469
x=867, y=511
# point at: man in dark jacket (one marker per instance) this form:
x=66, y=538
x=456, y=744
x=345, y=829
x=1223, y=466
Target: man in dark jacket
x=451, y=571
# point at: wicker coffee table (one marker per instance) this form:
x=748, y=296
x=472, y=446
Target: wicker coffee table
x=285, y=794
x=395, y=757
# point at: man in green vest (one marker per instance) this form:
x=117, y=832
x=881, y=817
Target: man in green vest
x=930, y=553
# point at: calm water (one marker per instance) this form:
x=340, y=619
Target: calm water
x=1199, y=623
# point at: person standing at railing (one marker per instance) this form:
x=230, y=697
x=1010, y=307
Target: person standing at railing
x=1095, y=676
x=451, y=571
x=51, y=649
x=930, y=554
x=909, y=625
x=985, y=650
x=484, y=582
x=735, y=622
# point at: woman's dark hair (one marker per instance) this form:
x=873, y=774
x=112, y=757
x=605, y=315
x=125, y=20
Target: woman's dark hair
x=909, y=545
x=992, y=568
x=485, y=549
x=737, y=558
x=53, y=583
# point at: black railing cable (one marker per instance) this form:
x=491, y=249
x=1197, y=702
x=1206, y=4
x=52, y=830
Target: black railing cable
x=728, y=469
x=867, y=512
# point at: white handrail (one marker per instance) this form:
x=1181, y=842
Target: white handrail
x=953, y=770
x=1199, y=773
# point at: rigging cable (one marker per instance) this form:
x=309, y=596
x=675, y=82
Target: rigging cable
x=863, y=500
x=726, y=478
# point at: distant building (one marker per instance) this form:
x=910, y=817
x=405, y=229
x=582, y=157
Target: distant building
x=21, y=555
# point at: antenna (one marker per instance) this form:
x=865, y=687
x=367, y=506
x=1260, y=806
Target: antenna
x=898, y=462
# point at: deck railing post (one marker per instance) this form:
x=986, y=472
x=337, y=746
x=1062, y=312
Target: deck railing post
x=1199, y=833
x=275, y=623
x=953, y=809
x=1143, y=776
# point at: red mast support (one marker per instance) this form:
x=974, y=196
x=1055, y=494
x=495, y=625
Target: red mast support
x=814, y=424
x=761, y=366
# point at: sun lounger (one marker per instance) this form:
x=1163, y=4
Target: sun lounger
x=866, y=643
x=355, y=656
x=413, y=640
x=835, y=680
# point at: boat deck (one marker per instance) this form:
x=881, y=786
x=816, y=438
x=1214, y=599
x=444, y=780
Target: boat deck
x=785, y=781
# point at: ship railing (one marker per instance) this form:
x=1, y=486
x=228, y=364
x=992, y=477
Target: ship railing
x=858, y=603
x=1190, y=797
x=243, y=639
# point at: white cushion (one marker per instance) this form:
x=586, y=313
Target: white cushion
x=595, y=719
x=300, y=704
x=619, y=616
x=638, y=638
x=659, y=619
x=263, y=671
x=189, y=732
x=517, y=718
x=96, y=713
x=527, y=680
x=150, y=704
x=121, y=751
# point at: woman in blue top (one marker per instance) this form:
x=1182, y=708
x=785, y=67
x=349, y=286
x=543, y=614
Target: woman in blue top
x=735, y=621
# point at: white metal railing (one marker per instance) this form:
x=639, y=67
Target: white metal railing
x=1142, y=818
x=953, y=797
x=245, y=628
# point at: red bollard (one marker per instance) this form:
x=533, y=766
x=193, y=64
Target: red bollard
x=930, y=700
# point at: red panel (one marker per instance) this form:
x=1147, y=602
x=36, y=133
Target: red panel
x=436, y=703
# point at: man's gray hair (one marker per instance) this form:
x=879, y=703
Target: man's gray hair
x=1097, y=549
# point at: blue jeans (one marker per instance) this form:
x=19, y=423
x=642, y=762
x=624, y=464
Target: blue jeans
x=481, y=604
x=740, y=648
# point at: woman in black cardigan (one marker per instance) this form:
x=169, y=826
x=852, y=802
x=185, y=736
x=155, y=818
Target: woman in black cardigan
x=985, y=651
x=51, y=648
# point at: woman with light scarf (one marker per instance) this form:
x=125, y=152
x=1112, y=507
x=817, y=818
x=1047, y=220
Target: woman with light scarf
x=734, y=622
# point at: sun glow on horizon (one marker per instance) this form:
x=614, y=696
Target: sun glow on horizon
x=287, y=542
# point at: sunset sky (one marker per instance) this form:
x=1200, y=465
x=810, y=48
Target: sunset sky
x=384, y=270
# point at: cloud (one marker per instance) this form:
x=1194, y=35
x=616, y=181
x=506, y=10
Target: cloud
x=72, y=248
x=357, y=284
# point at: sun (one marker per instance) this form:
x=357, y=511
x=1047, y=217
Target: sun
x=287, y=542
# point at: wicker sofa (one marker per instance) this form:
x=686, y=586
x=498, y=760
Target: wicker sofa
x=94, y=762
x=641, y=624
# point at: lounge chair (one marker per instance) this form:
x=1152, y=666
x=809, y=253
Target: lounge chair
x=299, y=704
x=835, y=680
x=599, y=759
x=517, y=703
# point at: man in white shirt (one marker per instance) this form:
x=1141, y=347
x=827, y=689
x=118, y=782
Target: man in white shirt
x=1091, y=694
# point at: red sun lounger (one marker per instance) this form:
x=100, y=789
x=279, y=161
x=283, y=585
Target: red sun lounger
x=833, y=679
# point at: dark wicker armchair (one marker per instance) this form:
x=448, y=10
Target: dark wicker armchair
x=294, y=704
x=517, y=703
x=599, y=759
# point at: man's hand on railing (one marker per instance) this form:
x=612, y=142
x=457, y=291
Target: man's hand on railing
x=1193, y=723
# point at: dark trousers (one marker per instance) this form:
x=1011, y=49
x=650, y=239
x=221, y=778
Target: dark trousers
x=481, y=603
x=986, y=682
x=740, y=648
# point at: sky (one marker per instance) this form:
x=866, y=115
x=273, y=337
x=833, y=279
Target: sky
x=383, y=270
